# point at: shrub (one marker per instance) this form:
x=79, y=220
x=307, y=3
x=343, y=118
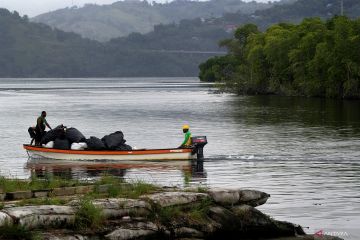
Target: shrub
x=88, y=215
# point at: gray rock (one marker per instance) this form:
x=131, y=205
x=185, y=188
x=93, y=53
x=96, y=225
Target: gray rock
x=65, y=191
x=185, y=232
x=226, y=197
x=41, y=193
x=41, y=216
x=5, y=219
x=252, y=197
x=167, y=199
x=133, y=231
x=308, y=237
x=223, y=217
x=120, y=207
x=84, y=189
x=247, y=222
x=18, y=195
x=66, y=237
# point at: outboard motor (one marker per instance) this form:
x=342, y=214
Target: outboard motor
x=199, y=144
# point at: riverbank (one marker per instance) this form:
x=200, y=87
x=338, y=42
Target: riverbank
x=120, y=210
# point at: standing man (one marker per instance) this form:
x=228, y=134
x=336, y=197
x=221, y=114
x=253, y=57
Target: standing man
x=187, y=141
x=41, y=125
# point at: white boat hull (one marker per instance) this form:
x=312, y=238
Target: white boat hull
x=166, y=154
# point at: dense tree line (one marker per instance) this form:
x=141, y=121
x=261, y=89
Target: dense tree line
x=314, y=58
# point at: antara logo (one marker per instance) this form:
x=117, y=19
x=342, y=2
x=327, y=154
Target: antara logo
x=322, y=233
x=319, y=233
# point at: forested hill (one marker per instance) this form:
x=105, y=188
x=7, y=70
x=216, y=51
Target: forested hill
x=124, y=17
x=36, y=50
x=29, y=49
x=301, y=9
x=294, y=12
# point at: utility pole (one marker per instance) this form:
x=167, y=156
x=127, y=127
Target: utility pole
x=342, y=8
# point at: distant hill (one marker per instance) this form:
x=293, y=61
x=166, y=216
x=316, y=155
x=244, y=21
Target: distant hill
x=292, y=11
x=30, y=49
x=296, y=11
x=124, y=17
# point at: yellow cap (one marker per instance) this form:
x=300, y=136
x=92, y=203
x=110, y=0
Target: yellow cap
x=186, y=127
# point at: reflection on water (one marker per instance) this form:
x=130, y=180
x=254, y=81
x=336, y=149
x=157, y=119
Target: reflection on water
x=307, y=112
x=304, y=152
x=85, y=170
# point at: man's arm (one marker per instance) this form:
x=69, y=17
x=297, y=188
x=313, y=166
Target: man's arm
x=47, y=124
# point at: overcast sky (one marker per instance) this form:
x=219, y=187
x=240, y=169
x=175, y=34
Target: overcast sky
x=35, y=7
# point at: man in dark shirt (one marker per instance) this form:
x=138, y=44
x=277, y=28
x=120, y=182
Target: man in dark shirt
x=41, y=125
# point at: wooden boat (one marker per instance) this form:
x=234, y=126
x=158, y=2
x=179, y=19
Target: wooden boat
x=144, y=154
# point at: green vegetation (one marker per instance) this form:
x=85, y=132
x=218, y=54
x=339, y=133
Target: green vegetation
x=122, y=18
x=177, y=216
x=315, y=58
x=42, y=201
x=107, y=186
x=12, y=185
x=119, y=188
x=88, y=215
x=17, y=232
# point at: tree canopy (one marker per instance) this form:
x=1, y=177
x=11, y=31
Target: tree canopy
x=314, y=58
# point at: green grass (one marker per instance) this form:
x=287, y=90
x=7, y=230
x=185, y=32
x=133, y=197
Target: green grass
x=16, y=232
x=88, y=216
x=49, y=182
x=199, y=211
x=108, y=179
x=172, y=216
x=42, y=201
x=187, y=178
x=119, y=188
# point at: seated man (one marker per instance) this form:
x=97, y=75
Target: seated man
x=187, y=141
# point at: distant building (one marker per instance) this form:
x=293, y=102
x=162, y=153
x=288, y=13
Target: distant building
x=230, y=28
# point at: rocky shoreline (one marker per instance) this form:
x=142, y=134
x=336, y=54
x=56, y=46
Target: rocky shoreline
x=168, y=214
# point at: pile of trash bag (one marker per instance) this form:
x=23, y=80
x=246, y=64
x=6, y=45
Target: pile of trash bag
x=113, y=141
x=71, y=138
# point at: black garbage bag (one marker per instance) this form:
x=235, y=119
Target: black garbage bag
x=95, y=143
x=58, y=132
x=74, y=135
x=62, y=143
x=32, y=132
x=114, y=140
x=124, y=147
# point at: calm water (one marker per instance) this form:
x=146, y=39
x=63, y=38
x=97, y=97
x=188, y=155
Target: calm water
x=304, y=152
